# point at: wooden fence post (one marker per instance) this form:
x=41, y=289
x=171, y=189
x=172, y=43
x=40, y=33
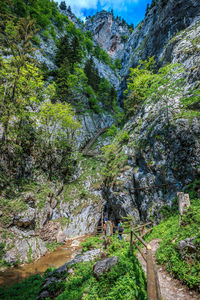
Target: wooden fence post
x=183, y=204
x=131, y=242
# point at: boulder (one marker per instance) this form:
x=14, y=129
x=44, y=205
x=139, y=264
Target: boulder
x=29, y=198
x=49, y=232
x=104, y=266
x=25, y=218
x=187, y=244
x=61, y=237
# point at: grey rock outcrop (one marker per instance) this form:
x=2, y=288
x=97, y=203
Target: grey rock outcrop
x=161, y=160
x=104, y=266
x=161, y=24
x=25, y=219
x=61, y=237
x=187, y=244
x=108, y=32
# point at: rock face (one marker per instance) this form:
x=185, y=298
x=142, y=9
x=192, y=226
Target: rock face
x=65, y=211
x=162, y=160
x=104, y=266
x=25, y=219
x=110, y=33
x=161, y=24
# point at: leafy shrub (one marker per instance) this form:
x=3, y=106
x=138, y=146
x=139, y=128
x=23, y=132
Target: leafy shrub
x=91, y=243
x=146, y=82
x=112, y=131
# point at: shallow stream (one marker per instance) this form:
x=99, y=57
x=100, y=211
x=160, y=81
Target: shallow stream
x=54, y=259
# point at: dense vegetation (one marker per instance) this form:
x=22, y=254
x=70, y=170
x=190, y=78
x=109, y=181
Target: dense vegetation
x=31, y=126
x=147, y=82
x=73, y=81
x=125, y=281
x=184, y=265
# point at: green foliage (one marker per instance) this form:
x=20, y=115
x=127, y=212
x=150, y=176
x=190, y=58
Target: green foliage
x=52, y=246
x=107, y=94
x=124, y=38
x=191, y=104
x=124, y=281
x=28, y=289
x=21, y=88
x=118, y=63
x=114, y=156
x=186, y=267
x=44, y=12
x=102, y=55
x=92, y=74
x=22, y=91
x=57, y=132
x=72, y=80
x=2, y=245
x=112, y=131
x=69, y=47
x=144, y=82
x=91, y=243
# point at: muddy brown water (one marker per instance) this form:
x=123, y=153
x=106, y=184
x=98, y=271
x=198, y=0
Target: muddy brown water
x=54, y=259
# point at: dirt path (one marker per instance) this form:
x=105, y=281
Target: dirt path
x=171, y=289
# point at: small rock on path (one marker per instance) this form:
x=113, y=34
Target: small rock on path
x=171, y=288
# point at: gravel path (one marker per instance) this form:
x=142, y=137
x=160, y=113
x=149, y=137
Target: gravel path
x=171, y=289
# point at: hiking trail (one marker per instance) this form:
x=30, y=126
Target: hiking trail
x=171, y=288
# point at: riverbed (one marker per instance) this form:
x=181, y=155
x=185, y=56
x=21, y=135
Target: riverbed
x=55, y=259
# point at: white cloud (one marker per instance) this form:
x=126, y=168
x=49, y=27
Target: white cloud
x=78, y=5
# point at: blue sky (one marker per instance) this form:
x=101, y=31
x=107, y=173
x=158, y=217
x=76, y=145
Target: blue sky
x=132, y=11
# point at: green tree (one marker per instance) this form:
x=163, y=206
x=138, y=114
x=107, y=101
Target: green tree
x=63, y=89
x=106, y=93
x=92, y=74
x=69, y=47
x=16, y=41
x=57, y=127
x=145, y=82
x=139, y=81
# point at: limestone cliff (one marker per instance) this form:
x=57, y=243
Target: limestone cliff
x=109, y=32
x=161, y=159
x=155, y=175
x=162, y=23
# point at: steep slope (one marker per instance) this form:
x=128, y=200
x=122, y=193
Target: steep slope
x=156, y=154
x=47, y=193
x=163, y=21
x=163, y=150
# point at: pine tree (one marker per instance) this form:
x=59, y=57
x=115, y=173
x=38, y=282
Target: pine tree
x=92, y=74
x=147, y=9
x=63, y=5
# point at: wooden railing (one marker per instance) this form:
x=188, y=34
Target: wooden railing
x=153, y=287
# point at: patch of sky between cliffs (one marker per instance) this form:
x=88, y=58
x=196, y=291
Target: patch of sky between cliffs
x=133, y=11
